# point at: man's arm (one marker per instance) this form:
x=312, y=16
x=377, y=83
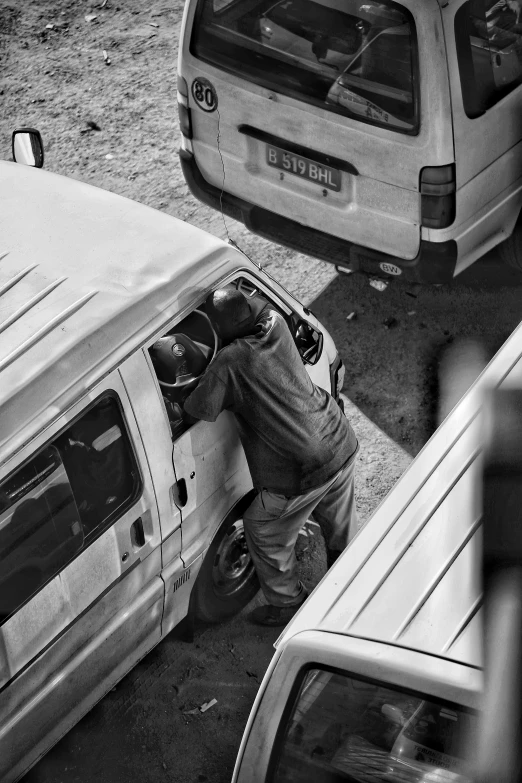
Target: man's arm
x=209, y=398
x=188, y=419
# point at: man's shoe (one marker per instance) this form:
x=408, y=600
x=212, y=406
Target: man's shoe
x=276, y=615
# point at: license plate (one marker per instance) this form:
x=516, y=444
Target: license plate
x=322, y=175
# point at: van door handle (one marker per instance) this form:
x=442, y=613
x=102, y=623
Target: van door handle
x=137, y=533
x=179, y=491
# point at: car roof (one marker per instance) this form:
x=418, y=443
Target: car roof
x=411, y=576
x=85, y=277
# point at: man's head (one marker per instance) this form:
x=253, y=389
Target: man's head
x=230, y=313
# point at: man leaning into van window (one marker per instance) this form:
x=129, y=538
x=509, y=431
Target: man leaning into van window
x=299, y=446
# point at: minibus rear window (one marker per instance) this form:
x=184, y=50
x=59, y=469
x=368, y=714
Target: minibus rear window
x=489, y=48
x=351, y=58
x=343, y=728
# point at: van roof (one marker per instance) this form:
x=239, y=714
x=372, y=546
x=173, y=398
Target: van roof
x=411, y=577
x=85, y=277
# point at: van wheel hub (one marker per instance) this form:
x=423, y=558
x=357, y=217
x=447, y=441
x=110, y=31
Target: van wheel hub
x=232, y=564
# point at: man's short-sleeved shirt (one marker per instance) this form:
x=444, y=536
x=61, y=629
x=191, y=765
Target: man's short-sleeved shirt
x=293, y=432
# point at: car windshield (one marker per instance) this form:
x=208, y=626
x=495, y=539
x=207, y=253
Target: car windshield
x=353, y=58
x=344, y=728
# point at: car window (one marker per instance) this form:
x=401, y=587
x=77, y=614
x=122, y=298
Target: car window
x=63, y=498
x=179, y=357
x=309, y=341
x=489, y=48
x=343, y=728
x=351, y=58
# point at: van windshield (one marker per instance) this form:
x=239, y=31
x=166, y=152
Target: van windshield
x=350, y=57
x=343, y=728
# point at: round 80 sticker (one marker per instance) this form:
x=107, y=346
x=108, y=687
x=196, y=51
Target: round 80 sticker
x=204, y=94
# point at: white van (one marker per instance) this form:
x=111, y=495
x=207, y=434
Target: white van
x=378, y=677
x=376, y=135
x=117, y=518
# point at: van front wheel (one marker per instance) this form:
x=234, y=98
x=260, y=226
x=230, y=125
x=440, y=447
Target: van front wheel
x=227, y=580
x=510, y=250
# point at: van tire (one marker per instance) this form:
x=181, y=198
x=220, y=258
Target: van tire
x=227, y=580
x=510, y=250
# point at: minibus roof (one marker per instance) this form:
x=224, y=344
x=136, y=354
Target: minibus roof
x=411, y=577
x=85, y=277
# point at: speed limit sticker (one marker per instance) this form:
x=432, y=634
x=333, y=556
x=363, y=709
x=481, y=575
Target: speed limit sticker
x=204, y=94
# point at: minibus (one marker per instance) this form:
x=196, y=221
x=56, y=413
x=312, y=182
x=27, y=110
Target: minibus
x=379, y=675
x=378, y=136
x=117, y=518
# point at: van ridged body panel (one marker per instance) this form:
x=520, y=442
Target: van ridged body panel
x=123, y=268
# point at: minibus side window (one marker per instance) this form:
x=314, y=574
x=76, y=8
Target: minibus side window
x=344, y=728
x=59, y=501
x=309, y=342
x=100, y=464
x=179, y=357
x=488, y=37
x=351, y=58
x=40, y=528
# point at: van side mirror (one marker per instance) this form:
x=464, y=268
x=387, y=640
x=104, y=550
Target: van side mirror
x=27, y=147
x=309, y=342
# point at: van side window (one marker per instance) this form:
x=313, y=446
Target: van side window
x=346, y=728
x=309, y=342
x=100, y=465
x=61, y=500
x=179, y=358
x=488, y=35
x=181, y=355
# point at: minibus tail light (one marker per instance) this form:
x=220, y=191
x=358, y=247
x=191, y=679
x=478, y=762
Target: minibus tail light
x=182, y=87
x=437, y=188
x=185, y=119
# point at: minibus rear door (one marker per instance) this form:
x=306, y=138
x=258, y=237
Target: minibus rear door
x=334, y=118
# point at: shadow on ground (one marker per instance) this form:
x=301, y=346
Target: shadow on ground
x=391, y=346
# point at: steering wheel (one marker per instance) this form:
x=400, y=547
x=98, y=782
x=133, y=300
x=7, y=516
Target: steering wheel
x=197, y=351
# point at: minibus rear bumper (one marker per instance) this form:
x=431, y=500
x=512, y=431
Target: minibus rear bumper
x=434, y=263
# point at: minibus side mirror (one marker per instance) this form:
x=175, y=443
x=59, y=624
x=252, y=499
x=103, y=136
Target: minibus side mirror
x=27, y=147
x=309, y=342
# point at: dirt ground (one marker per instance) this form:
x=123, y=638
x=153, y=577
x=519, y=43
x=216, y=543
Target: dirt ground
x=55, y=77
